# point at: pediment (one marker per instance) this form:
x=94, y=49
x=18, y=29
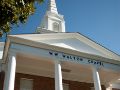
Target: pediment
x=72, y=41
x=73, y=44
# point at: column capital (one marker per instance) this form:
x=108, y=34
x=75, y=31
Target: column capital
x=57, y=61
x=97, y=68
x=11, y=55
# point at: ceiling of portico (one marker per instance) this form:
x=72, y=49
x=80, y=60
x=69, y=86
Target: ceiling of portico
x=75, y=72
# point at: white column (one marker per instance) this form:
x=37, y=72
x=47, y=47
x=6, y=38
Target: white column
x=63, y=26
x=10, y=73
x=58, y=76
x=96, y=78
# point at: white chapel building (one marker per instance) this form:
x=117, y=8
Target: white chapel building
x=52, y=59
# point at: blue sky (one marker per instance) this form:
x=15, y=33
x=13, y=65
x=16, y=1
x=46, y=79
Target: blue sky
x=96, y=19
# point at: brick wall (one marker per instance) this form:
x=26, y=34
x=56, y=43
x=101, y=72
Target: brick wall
x=39, y=83
x=2, y=74
x=115, y=89
x=45, y=83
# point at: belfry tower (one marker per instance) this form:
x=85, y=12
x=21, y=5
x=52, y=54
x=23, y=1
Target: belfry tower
x=52, y=21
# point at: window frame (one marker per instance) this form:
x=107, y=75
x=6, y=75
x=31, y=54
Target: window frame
x=27, y=80
x=66, y=84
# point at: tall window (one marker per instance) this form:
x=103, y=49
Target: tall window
x=56, y=26
x=65, y=86
x=26, y=84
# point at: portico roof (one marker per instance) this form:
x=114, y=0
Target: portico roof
x=73, y=43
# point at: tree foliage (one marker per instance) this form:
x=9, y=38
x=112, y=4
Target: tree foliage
x=14, y=12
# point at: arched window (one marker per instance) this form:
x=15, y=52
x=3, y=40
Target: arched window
x=56, y=26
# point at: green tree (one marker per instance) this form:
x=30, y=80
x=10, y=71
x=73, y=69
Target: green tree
x=13, y=12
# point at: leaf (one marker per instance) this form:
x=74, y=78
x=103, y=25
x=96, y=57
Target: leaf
x=15, y=11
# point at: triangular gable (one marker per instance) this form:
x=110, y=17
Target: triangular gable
x=73, y=41
x=74, y=44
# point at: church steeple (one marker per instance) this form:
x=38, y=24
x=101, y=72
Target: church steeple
x=52, y=21
x=52, y=6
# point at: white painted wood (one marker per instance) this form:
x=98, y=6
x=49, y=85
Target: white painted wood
x=10, y=73
x=63, y=26
x=1, y=49
x=36, y=39
x=51, y=17
x=58, y=76
x=74, y=44
x=52, y=6
x=96, y=78
x=108, y=86
x=45, y=54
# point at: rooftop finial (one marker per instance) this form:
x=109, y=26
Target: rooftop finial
x=52, y=6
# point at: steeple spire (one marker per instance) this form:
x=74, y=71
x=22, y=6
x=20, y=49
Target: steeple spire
x=52, y=6
x=52, y=21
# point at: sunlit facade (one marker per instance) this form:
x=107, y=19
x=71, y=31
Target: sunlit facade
x=53, y=59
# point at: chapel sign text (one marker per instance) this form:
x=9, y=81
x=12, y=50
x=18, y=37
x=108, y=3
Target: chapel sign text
x=68, y=57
